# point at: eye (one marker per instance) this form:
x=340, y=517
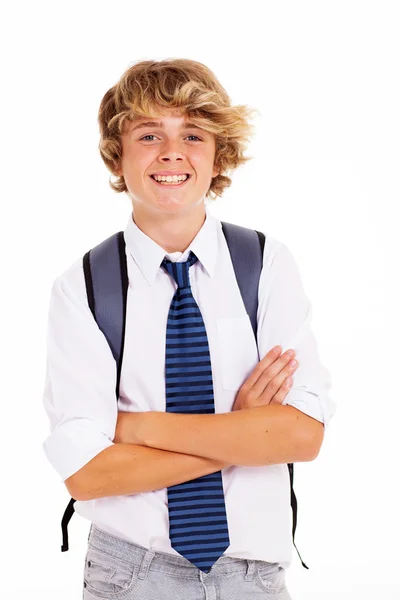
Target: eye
x=152, y=135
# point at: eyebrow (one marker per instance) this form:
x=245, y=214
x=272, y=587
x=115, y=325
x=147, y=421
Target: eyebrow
x=161, y=125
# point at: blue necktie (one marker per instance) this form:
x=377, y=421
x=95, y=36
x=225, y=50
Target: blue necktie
x=198, y=527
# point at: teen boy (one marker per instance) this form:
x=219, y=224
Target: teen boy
x=187, y=487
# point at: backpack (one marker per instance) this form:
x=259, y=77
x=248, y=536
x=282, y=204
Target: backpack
x=106, y=279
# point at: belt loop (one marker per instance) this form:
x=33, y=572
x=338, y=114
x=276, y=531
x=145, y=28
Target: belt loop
x=250, y=570
x=145, y=564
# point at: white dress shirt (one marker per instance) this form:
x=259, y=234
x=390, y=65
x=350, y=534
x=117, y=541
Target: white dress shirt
x=79, y=394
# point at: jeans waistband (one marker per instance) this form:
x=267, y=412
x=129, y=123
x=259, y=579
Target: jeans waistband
x=162, y=561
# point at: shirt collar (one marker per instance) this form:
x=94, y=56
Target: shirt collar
x=148, y=255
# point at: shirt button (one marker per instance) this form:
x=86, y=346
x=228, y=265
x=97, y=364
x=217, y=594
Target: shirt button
x=89, y=563
x=84, y=584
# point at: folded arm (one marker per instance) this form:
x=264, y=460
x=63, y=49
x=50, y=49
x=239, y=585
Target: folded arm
x=264, y=435
x=284, y=318
x=271, y=434
x=79, y=399
x=125, y=469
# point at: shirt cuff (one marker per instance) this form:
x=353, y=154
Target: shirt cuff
x=73, y=444
x=318, y=406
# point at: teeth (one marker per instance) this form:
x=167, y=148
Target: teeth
x=170, y=178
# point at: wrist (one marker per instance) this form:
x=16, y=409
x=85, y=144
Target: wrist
x=129, y=428
x=138, y=428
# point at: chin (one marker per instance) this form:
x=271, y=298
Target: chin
x=177, y=204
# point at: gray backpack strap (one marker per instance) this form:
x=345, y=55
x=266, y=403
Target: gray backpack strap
x=246, y=247
x=106, y=279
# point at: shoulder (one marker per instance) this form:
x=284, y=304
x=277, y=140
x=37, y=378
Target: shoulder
x=272, y=246
x=279, y=262
x=272, y=249
x=70, y=284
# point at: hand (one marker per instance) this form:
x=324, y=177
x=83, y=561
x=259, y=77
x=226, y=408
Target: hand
x=128, y=428
x=267, y=384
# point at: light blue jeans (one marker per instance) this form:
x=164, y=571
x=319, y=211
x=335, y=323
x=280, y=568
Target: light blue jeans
x=115, y=568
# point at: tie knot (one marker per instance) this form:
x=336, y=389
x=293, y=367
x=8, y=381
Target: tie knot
x=180, y=270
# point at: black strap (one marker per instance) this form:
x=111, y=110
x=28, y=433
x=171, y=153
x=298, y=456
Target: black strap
x=69, y=511
x=293, y=502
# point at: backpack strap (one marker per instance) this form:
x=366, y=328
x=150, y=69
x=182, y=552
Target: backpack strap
x=246, y=247
x=106, y=279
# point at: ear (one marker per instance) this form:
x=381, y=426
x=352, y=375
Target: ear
x=215, y=172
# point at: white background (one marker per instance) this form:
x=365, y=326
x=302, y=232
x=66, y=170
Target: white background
x=324, y=179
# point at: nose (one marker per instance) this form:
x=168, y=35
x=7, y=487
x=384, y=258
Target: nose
x=171, y=151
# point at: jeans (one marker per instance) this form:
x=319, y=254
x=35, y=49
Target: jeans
x=115, y=568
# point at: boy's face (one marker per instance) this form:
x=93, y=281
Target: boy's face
x=167, y=147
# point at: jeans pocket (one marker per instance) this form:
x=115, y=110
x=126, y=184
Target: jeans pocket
x=107, y=576
x=271, y=577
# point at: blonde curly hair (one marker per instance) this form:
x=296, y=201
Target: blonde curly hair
x=148, y=87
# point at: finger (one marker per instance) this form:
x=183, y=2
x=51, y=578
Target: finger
x=273, y=376
x=283, y=391
x=277, y=382
x=260, y=368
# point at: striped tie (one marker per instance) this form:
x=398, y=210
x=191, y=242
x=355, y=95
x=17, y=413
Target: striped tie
x=198, y=527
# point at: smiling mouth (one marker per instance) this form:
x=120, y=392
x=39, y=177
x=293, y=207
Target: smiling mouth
x=171, y=184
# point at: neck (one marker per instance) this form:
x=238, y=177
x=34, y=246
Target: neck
x=175, y=232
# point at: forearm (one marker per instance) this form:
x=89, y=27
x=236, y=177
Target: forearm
x=125, y=469
x=264, y=435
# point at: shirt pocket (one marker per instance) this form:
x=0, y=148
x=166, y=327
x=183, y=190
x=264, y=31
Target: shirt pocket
x=237, y=349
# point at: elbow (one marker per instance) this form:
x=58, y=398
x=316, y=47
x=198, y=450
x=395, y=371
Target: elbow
x=74, y=488
x=315, y=439
x=88, y=482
